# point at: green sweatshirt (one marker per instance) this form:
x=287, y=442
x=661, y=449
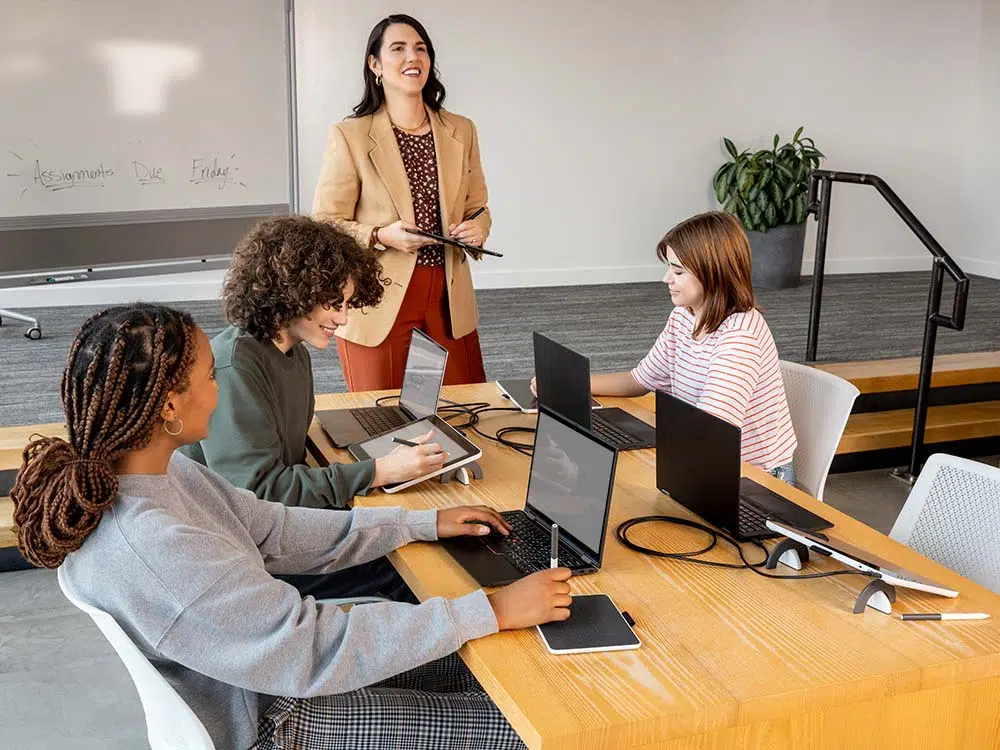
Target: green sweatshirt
x=257, y=435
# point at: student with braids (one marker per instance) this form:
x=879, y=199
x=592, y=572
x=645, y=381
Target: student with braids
x=183, y=561
x=290, y=283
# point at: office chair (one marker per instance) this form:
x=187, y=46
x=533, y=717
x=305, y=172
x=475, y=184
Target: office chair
x=820, y=404
x=34, y=333
x=951, y=517
x=170, y=722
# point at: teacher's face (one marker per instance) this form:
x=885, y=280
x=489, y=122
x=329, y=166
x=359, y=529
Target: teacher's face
x=404, y=62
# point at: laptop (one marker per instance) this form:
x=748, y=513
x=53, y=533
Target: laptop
x=562, y=379
x=698, y=465
x=418, y=398
x=570, y=483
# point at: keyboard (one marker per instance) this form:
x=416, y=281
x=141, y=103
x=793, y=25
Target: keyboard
x=379, y=419
x=614, y=434
x=752, y=518
x=527, y=547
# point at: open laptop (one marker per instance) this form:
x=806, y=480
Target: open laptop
x=422, y=382
x=570, y=483
x=562, y=379
x=698, y=465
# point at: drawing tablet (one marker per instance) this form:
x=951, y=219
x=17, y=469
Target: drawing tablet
x=459, y=449
x=594, y=624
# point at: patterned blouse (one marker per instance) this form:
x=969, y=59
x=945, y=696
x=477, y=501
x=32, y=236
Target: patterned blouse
x=420, y=162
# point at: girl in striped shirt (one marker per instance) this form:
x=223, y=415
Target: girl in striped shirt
x=716, y=350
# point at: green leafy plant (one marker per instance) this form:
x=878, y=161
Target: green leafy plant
x=767, y=188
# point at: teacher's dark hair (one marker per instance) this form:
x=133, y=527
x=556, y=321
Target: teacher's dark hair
x=374, y=96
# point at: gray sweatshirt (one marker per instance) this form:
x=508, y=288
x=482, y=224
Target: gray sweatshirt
x=183, y=561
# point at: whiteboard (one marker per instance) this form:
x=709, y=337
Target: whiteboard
x=138, y=105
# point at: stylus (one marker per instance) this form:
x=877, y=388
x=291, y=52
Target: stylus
x=409, y=443
x=554, y=552
x=947, y=616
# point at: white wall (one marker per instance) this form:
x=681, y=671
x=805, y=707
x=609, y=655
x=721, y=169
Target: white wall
x=980, y=252
x=601, y=123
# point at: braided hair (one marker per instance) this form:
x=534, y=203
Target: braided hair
x=121, y=366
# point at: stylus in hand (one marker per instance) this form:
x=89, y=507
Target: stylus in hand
x=408, y=443
x=554, y=552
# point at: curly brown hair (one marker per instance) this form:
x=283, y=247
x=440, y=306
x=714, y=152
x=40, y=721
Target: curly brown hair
x=288, y=265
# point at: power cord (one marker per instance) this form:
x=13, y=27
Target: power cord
x=714, y=536
x=449, y=410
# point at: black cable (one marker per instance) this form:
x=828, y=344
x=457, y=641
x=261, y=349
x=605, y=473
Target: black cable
x=451, y=409
x=622, y=533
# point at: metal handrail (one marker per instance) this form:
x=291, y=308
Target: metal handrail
x=818, y=203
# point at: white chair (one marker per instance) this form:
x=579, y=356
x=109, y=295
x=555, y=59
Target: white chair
x=820, y=404
x=170, y=723
x=951, y=516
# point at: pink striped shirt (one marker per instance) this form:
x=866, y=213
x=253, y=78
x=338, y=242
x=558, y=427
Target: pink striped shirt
x=732, y=373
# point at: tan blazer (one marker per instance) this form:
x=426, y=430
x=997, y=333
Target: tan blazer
x=363, y=185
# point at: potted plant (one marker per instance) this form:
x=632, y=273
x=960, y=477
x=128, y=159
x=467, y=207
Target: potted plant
x=767, y=190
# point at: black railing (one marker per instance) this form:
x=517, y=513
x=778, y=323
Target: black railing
x=818, y=203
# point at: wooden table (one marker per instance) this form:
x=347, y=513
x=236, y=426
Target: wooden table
x=728, y=659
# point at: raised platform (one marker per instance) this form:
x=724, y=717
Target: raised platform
x=963, y=416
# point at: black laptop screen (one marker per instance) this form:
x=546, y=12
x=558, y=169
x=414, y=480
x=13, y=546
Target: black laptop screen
x=570, y=481
x=423, y=377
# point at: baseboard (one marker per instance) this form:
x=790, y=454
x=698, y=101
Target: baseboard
x=204, y=285
x=989, y=268
x=870, y=265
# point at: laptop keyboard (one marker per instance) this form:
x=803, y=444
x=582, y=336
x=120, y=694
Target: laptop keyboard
x=751, y=522
x=614, y=434
x=527, y=547
x=378, y=419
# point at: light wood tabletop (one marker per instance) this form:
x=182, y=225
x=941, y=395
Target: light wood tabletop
x=729, y=659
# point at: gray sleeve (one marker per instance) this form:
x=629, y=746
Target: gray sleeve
x=309, y=540
x=244, y=446
x=258, y=633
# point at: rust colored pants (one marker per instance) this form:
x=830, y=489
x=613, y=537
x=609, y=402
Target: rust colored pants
x=425, y=306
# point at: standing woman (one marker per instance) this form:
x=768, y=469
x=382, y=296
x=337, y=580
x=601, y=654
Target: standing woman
x=404, y=162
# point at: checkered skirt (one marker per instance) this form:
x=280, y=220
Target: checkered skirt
x=439, y=705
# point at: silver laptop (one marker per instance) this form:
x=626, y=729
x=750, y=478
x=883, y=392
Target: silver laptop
x=422, y=383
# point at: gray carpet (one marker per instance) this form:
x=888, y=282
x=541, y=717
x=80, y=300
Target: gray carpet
x=867, y=316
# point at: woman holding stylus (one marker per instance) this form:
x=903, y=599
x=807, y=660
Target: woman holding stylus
x=403, y=164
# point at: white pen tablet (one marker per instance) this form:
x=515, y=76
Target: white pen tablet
x=459, y=449
x=862, y=560
x=518, y=392
x=594, y=624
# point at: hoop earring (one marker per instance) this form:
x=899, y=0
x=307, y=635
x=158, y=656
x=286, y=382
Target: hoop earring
x=378, y=79
x=174, y=434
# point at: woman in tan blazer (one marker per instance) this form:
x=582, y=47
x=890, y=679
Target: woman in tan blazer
x=403, y=162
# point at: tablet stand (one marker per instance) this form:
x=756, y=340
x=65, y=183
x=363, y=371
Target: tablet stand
x=463, y=473
x=878, y=595
x=787, y=552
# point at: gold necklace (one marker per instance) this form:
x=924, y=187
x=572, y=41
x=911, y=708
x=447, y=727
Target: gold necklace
x=411, y=131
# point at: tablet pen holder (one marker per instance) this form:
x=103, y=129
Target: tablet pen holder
x=464, y=473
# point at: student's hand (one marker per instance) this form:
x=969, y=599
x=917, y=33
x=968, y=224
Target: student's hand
x=534, y=388
x=465, y=521
x=468, y=232
x=408, y=463
x=396, y=237
x=536, y=599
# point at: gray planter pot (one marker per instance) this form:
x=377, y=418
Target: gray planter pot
x=776, y=256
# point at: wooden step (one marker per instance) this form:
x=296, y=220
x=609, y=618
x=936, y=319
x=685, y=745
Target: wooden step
x=894, y=429
x=886, y=375
x=7, y=536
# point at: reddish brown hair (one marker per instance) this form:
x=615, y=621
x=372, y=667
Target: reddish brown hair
x=714, y=247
